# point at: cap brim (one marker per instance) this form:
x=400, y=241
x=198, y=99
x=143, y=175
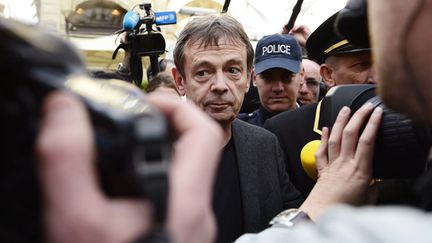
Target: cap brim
x=278, y=62
x=350, y=49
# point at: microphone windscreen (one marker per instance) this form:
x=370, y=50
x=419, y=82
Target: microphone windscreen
x=130, y=20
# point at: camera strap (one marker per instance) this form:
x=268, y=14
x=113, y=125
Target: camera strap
x=121, y=46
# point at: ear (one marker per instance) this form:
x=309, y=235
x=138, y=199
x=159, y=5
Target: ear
x=254, y=77
x=250, y=79
x=326, y=73
x=179, y=81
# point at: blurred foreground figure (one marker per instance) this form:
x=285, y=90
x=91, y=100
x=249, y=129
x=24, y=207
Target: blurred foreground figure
x=76, y=210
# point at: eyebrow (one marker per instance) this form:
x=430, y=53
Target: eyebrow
x=202, y=63
x=208, y=63
x=234, y=61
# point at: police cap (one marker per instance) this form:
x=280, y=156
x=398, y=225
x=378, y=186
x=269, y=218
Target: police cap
x=325, y=41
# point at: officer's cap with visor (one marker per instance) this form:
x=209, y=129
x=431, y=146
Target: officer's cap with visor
x=278, y=51
x=325, y=41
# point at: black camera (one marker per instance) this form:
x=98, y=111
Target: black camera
x=132, y=138
x=144, y=39
x=401, y=147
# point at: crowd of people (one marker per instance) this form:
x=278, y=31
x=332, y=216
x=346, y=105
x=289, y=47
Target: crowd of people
x=240, y=177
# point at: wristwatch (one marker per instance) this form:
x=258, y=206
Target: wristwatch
x=289, y=218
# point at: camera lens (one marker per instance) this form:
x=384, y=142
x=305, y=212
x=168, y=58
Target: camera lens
x=402, y=146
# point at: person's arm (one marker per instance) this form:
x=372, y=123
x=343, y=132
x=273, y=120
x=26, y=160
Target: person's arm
x=76, y=210
x=354, y=225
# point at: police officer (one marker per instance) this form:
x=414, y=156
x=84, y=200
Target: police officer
x=278, y=76
x=298, y=130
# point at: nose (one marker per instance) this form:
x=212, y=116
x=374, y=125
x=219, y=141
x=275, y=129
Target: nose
x=303, y=89
x=219, y=84
x=277, y=87
x=371, y=76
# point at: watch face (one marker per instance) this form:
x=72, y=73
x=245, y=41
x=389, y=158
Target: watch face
x=289, y=217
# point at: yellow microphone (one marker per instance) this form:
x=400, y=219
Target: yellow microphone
x=307, y=158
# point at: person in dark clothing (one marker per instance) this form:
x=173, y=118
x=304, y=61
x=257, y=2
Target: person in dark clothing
x=213, y=59
x=251, y=100
x=341, y=63
x=278, y=75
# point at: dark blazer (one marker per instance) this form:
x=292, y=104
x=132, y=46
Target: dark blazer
x=265, y=186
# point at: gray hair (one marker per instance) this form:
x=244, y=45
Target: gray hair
x=207, y=31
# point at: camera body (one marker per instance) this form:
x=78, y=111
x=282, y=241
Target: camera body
x=147, y=41
x=401, y=147
x=132, y=138
x=144, y=39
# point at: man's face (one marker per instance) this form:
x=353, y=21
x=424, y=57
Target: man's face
x=309, y=89
x=401, y=37
x=277, y=89
x=216, y=78
x=350, y=68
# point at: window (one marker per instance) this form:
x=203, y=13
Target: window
x=96, y=17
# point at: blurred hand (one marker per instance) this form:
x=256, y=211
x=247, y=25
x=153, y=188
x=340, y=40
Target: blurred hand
x=344, y=161
x=76, y=210
x=194, y=164
x=301, y=33
x=124, y=39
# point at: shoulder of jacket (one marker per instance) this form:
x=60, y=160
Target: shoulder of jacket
x=251, y=130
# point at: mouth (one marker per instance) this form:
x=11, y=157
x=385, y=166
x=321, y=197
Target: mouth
x=278, y=99
x=218, y=106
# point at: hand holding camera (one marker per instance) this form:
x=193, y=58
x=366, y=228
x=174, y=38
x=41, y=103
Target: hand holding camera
x=344, y=160
x=74, y=201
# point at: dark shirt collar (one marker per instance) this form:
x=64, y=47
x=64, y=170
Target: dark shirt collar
x=264, y=114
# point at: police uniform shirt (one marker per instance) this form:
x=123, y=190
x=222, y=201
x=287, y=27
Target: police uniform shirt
x=258, y=117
